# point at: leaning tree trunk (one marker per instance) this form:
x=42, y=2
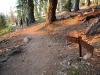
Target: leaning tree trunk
x=51, y=13
x=76, y=5
x=87, y=2
x=31, y=11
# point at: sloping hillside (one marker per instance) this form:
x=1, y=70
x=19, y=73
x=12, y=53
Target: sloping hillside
x=48, y=52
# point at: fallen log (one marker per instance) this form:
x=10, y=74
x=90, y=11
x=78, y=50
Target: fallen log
x=92, y=27
x=88, y=16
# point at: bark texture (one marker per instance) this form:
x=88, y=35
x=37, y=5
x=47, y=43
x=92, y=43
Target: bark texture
x=51, y=12
x=76, y=5
x=69, y=5
x=31, y=11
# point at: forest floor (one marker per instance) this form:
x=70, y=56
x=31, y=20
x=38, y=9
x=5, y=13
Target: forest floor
x=48, y=52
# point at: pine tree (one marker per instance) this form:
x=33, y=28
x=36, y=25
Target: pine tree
x=31, y=11
x=51, y=13
x=76, y=5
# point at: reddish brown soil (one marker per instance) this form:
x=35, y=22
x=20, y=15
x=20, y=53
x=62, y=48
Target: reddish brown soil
x=48, y=47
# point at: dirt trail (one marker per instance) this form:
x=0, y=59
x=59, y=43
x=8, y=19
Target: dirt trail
x=48, y=52
x=38, y=56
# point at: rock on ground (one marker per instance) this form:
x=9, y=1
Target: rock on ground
x=14, y=50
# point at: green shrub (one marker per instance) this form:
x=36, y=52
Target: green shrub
x=2, y=21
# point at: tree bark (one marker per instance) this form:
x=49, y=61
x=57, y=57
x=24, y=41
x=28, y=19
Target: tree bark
x=45, y=7
x=60, y=5
x=36, y=8
x=76, y=5
x=31, y=11
x=87, y=2
x=51, y=13
x=92, y=27
x=40, y=7
x=69, y=5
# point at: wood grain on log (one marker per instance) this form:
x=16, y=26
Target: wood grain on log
x=92, y=27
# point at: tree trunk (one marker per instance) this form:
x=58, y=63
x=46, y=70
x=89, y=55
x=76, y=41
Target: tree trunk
x=76, y=5
x=45, y=7
x=51, y=13
x=40, y=7
x=36, y=8
x=31, y=11
x=87, y=2
x=81, y=3
x=60, y=5
x=95, y=1
x=69, y=5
